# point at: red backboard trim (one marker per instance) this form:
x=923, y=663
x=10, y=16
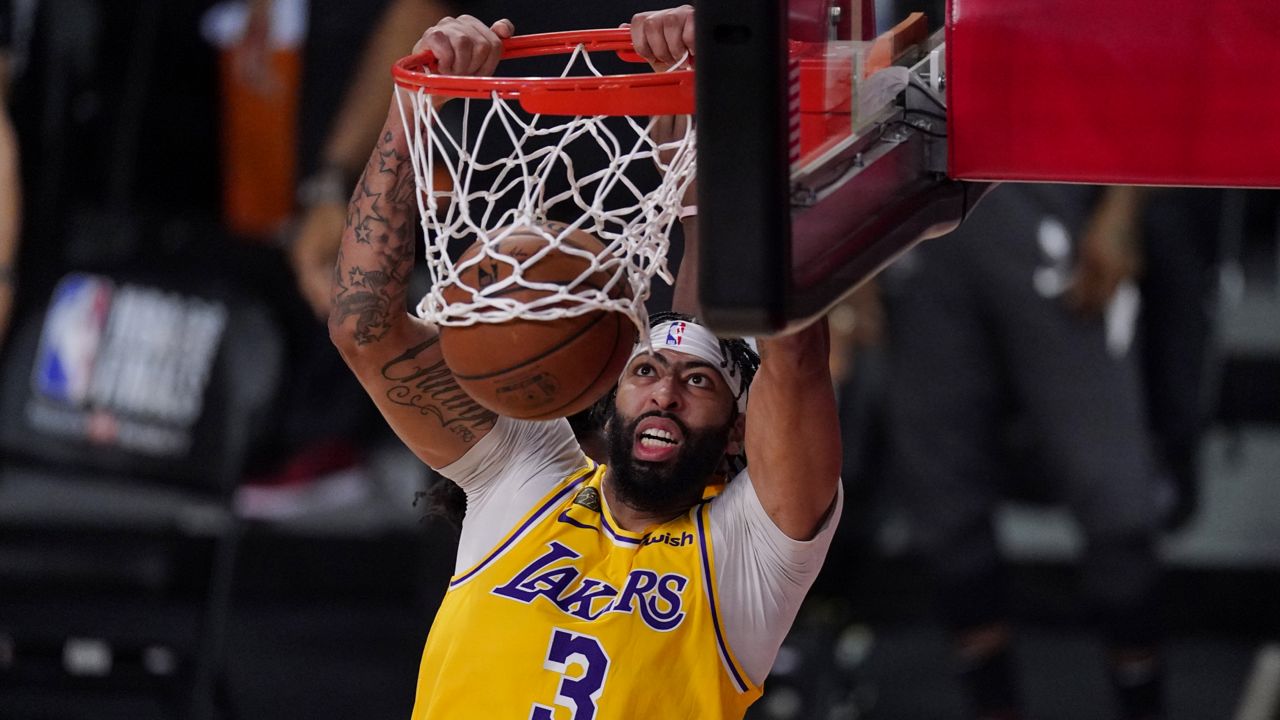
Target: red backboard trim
x=1180, y=92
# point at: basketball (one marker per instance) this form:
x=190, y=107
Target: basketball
x=536, y=369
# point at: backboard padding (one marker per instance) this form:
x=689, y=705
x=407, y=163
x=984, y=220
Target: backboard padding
x=1180, y=92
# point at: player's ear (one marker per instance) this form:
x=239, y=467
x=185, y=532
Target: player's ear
x=737, y=434
x=608, y=416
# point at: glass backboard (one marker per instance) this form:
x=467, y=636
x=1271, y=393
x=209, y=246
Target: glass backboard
x=822, y=155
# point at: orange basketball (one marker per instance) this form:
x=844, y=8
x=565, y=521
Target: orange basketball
x=530, y=369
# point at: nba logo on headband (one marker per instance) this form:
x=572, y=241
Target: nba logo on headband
x=694, y=339
x=675, y=333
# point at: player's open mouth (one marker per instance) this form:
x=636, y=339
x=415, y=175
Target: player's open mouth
x=656, y=439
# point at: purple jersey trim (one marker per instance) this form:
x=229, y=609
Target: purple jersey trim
x=534, y=518
x=604, y=519
x=709, y=582
x=564, y=518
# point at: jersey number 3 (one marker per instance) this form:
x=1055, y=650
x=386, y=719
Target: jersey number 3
x=580, y=688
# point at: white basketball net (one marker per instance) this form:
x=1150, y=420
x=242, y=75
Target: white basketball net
x=513, y=169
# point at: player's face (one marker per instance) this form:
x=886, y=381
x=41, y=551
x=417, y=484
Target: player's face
x=673, y=421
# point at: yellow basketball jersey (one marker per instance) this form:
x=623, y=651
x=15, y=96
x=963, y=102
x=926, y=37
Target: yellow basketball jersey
x=572, y=618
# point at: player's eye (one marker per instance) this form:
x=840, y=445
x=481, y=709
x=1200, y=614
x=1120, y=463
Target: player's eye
x=699, y=380
x=644, y=369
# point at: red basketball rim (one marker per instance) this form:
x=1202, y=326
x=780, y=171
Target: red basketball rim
x=668, y=93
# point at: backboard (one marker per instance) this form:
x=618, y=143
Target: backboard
x=823, y=152
x=822, y=155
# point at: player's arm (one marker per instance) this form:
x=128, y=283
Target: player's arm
x=397, y=357
x=793, y=431
x=791, y=440
x=662, y=38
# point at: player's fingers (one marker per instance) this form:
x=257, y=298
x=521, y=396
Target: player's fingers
x=437, y=41
x=421, y=45
x=504, y=28
x=467, y=23
x=468, y=49
x=492, y=37
x=673, y=35
x=687, y=33
x=483, y=47
x=656, y=37
x=638, y=39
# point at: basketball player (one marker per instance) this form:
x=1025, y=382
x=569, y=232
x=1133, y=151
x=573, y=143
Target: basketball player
x=598, y=591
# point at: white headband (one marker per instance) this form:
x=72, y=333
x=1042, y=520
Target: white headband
x=693, y=339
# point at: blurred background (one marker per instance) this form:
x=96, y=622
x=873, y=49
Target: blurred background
x=201, y=514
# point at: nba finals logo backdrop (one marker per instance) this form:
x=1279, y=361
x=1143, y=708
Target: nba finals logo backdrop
x=124, y=365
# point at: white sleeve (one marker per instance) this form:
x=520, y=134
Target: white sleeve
x=762, y=575
x=505, y=474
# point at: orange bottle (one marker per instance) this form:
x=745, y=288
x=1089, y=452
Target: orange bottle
x=259, y=144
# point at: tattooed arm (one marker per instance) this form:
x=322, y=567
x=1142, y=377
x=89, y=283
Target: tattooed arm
x=397, y=357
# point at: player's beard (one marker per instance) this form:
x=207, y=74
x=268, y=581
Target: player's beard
x=667, y=487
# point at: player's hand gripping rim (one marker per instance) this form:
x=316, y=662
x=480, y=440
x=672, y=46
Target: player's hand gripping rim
x=665, y=39
x=465, y=46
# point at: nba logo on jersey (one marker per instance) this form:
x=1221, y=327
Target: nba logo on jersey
x=675, y=333
x=73, y=330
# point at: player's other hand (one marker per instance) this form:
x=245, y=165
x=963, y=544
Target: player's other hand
x=464, y=45
x=663, y=37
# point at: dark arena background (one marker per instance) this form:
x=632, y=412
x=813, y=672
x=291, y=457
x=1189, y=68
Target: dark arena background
x=203, y=516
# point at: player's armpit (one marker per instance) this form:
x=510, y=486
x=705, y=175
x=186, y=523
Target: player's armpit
x=793, y=431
